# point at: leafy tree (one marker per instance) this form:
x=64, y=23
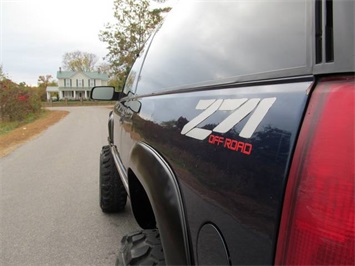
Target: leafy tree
x=43, y=83
x=3, y=76
x=79, y=61
x=135, y=21
x=104, y=67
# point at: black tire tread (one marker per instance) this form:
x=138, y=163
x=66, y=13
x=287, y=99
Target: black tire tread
x=113, y=196
x=141, y=248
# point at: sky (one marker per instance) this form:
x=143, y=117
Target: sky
x=35, y=34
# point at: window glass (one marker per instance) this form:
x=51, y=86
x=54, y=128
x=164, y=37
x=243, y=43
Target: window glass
x=133, y=76
x=210, y=41
x=67, y=82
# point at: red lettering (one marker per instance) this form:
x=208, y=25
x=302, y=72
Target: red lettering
x=240, y=145
x=227, y=143
x=247, y=148
x=211, y=139
x=231, y=144
x=220, y=140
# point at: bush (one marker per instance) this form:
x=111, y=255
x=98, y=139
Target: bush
x=18, y=101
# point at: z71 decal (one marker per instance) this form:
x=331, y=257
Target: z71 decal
x=240, y=108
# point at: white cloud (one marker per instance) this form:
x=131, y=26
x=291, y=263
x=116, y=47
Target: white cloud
x=35, y=34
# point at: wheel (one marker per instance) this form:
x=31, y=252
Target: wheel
x=113, y=196
x=141, y=248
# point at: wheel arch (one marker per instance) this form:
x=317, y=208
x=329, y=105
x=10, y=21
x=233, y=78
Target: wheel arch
x=161, y=187
x=141, y=206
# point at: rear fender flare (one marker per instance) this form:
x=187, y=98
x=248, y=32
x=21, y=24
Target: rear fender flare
x=161, y=186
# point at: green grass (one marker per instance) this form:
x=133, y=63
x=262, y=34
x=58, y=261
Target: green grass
x=6, y=127
x=76, y=103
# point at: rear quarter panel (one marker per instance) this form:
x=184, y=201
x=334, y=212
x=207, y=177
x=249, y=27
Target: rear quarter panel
x=239, y=191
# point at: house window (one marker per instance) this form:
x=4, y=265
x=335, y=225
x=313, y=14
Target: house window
x=67, y=82
x=92, y=83
x=79, y=83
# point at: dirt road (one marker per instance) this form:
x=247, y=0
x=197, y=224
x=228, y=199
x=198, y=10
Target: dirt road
x=49, y=211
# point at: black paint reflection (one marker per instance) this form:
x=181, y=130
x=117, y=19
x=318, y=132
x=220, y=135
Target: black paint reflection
x=244, y=190
x=240, y=185
x=240, y=193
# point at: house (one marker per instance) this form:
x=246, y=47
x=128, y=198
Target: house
x=76, y=85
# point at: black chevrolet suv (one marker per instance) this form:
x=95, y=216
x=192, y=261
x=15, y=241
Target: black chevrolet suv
x=234, y=136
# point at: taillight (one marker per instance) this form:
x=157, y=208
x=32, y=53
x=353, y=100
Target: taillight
x=317, y=224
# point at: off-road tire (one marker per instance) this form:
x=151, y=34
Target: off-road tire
x=141, y=248
x=113, y=196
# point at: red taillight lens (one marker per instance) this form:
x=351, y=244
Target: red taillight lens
x=317, y=225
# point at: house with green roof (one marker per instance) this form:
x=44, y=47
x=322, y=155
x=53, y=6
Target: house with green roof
x=76, y=85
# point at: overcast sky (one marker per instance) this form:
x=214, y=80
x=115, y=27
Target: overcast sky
x=35, y=34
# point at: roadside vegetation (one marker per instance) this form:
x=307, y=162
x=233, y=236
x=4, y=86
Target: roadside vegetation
x=6, y=127
x=19, y=104
x=64, y=103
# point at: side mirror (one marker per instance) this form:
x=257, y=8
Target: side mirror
x=104, y=93
x=134, y=106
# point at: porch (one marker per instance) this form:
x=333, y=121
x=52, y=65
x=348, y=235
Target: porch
x=74, y=94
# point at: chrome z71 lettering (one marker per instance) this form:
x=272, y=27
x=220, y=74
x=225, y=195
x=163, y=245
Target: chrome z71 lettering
x=239, y=108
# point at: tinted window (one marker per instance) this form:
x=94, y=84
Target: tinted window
x=209, y=41
x=132, y=78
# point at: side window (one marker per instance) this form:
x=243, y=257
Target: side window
x=133, y=76
x=131, y=80
x=227, y=41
